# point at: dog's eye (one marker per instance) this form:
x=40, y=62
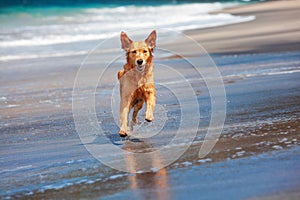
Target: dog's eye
x=145, y=51
x=133, y=51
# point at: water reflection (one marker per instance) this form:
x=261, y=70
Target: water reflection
x=149, y=185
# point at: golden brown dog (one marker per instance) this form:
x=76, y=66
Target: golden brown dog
x=136, y=80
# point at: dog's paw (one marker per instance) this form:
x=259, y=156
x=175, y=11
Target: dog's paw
x=123, y=133
x=149, y=119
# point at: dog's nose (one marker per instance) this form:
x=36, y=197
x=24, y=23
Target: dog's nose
x=140, y=61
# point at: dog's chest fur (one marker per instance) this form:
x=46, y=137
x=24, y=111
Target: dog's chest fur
x=139, y=79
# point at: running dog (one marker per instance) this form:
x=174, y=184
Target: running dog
x=136, y=80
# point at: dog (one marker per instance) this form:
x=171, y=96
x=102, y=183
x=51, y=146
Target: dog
x=137, y=80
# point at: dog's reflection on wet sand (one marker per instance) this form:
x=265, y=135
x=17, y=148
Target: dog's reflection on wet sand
x=143, y=183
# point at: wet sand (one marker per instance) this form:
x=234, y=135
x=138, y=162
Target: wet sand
x=256, y=157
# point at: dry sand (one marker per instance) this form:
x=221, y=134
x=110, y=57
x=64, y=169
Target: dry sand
x=276, y=28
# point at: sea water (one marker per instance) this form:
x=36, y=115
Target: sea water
x=41, y=29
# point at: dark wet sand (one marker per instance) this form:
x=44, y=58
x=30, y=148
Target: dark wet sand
x=42, y=156
x=257, y=156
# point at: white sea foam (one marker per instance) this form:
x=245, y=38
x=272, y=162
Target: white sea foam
x=204, y=160
x=12, y=106
x=102, y=23
x=36, y=56
x=3, y=98
x=16, y=168
x=113, y=177
x=273, y=73
x=53, y=39
x=187, y=163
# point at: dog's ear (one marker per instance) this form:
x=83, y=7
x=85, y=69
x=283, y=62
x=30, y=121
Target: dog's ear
x=126, y=41
x=151, y=40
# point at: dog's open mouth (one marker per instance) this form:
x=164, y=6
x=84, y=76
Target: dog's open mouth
x=140, y=68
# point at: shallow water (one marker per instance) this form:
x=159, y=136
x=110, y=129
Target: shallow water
x=233, y=179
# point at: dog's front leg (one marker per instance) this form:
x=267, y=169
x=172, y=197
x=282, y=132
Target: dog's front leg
x=126, y=89
x=150, y=95
x=124, y=111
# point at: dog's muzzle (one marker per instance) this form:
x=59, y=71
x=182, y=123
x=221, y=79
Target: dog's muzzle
x=140, y=65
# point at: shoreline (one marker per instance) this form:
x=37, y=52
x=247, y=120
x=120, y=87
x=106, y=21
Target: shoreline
x=266, y=33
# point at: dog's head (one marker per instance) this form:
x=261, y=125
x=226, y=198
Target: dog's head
x=139, y=53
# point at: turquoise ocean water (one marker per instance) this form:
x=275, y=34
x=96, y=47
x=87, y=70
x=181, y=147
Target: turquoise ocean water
x=50, y=28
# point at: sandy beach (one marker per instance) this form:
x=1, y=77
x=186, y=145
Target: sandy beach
x=276, y=28
x=256, y=157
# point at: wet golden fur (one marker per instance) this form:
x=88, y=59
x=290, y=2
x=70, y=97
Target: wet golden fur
x=137, y=80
